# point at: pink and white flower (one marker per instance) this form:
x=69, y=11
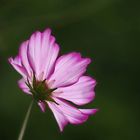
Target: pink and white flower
x=55, y=81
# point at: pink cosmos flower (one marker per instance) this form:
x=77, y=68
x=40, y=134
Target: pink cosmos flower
x=55, y=81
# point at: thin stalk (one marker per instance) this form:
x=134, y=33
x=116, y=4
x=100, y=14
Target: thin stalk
x=24, y=125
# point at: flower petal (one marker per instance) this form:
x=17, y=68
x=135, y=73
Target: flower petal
x=24, y=58
x=23, y=86
x=68, y=69
x=60, y=118
x=42, y=53
x=89, y=111
x=16, y=63
x=64, y=113
x=74, y=115
x=33, y=52
x=42, y=106
x=80, y=93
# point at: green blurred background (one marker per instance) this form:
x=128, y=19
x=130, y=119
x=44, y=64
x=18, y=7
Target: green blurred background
x=107, y=31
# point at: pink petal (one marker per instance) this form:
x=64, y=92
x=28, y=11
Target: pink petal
x=16, y=63
x=68, y=69
x=24, y=58
x=17, y=60
x=42, y=106
x=42, y=53
x=89, y=111
x=73, y=115
x=64, y=113
x=60, y=118
x=79, y=93
x=23, y=86
x=34, y=51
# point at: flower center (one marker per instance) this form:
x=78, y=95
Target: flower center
x=40, y=90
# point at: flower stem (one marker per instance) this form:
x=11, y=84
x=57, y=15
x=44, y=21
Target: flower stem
x=24, y=125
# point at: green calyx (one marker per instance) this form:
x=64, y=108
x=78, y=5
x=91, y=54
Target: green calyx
x=39, y=90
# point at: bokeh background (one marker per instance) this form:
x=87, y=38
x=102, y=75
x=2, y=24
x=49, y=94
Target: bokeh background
x=107, y=31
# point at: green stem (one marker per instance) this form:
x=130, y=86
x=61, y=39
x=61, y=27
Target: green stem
x=24, y=125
